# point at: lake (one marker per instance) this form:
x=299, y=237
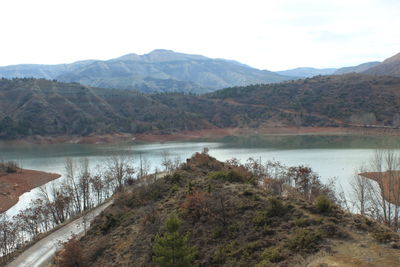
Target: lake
x=330, y=156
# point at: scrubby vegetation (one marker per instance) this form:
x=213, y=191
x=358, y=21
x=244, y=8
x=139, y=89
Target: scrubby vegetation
x=228, y=214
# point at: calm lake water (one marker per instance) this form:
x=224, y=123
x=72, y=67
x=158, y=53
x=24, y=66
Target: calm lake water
x=331, y=156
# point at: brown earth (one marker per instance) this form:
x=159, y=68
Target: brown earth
x=12, y=185
x=389, y=181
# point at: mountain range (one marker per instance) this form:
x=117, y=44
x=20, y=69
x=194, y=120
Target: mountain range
x=389, y=67
x=169, y=71
x=157, y=71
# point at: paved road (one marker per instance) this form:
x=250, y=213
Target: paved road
x=41, y=253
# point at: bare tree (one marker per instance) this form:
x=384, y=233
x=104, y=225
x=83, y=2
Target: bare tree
x=97, y=185
x=73, y=184
x=119, y=169
x=361, y=191
x=256, y=168
x=166, y=161
x=84, y=183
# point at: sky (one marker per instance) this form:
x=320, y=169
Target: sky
x=265, y=34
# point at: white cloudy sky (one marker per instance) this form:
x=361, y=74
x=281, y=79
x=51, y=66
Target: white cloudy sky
x=266, y=34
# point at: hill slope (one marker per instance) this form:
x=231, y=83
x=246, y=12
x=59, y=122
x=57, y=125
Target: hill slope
x=30, y=106
x=232, y=222
x=157, y=71
x=356, y=69
x=390, y=67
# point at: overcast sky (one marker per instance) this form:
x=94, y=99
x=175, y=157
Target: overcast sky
x=273, y=35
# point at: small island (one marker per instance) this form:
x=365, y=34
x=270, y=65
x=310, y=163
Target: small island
x=15, y=181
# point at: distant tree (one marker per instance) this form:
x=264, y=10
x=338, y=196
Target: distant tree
x=172, y=249
x=166, y=162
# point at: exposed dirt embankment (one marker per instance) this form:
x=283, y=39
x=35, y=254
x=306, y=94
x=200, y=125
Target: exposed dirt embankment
x=284, y=130
x=389, y=182
x=12, y=185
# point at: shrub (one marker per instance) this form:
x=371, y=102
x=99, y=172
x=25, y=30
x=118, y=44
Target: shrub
x=330, y=229
x=195, y=204
x=175, y=178
x=260, y=218
x=99, y=246
x=267, y=230
x=275, y=207
x=224, y=252
x=304, y=240
x=228, y=176
x=272, y=254
x=9, y=167
x=72, y=255
x=111, y=222
x=217, y=233
x=382, y=236
x=231, y=176
x=301, y=222
x=323, y=204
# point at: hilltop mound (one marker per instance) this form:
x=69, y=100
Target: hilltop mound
x=233, y=221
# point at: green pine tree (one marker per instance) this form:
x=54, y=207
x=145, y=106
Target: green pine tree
x=172, y=249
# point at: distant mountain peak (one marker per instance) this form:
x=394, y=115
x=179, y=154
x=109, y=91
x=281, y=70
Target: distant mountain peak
x=155, y=51
x=130, y=56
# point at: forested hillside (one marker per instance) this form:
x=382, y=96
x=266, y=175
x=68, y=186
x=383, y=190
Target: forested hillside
x=351, y=99
x=42, y=107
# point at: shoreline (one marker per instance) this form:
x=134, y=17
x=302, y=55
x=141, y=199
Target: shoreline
x=201, y=134
x=13, y=185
